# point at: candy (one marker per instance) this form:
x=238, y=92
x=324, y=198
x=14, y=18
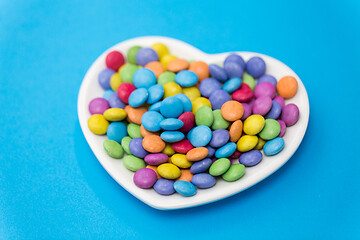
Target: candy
x=156, y=92
x=287, y=87
x=246, y=143
x=226, y=151
x=275, y=110
x=274, y=146
x=145, y=178
x=133, y=163
x=156, y=67
x=200, y=68
x=235, y=172
x=177, y=65
x=250, y=158
x=164, y=186
x=113, y=149
x=233, y=70
x=134, y=130
x=218, y=72
x=232, y=110
x=155, y=107
x=182, y=146
x=219, y=121
x=125, y=142
x=144, y=78
x=290, y=114
x=200, y=136
x=267, y=78
x=218, y=98
x=136, y=148
x=191, y=92
x=235, y=130
x=188, y=118
x=186, y=175
x=180, y=161
x=204, y=116
x=104, y=78
x=146, y=55
x=219, y=167
x=235, y=155
x=166, y=59
x=153, y=144
x=235, y=58
x=243, y=94
x=98, y=106
x=201, y=166
x=249, y=80
x=211, y=151
x=114, y=60
x=185, y=188
x=203, y=180
x=168, y=171
x=138, y=97
x=171, y=89
x=124, y=91
x=185, y=100
x=186, y=78
x=254, y=124
x=166, y=77
x=255, y=67
x=219, y=138
x=115, y=114
x=210, y=85
x=107, y=94
x=135, y=114
x=131, y=54
x=262, y=105
x=127, y=72
x=260, y=144
x=171, y=107
x=231, y=85
x=197, y=154
x=151, y=121
x=115, y=102
x=280, y=100
x=168, y=150
x=156, y=158
x=171, y=124
x=172, y=136
x=247, y=111
x=282, y=128
x=199, y=102
x=160, y=49
x=116, y=131
x=265, y=89
x=98, y=124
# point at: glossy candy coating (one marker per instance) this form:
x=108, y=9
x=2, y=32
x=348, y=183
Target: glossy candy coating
x=274, y=146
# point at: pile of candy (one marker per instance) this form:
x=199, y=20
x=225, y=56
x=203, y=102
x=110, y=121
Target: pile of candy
x=181, y=128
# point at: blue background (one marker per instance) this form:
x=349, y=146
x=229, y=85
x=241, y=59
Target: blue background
x=52, y=186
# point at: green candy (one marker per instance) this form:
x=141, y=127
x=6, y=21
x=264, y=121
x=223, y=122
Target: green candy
x=134, y=130
x=235, y=172
x=249, y=80
x=133, y=163
x=131, y=54
x=113, y=149
x=127, y=72
x=125, y=144
x=166, y=77
x=271, y=129
x=204, y=116
x=219, y=121
x=219, y=167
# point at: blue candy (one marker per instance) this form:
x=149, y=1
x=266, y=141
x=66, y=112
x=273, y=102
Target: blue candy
x=185, y=100
x=235, y=58
x=171, y=107
x=226, y=151
x=200, y=136
x=171, y=124
x=105, y=77
x=155, y=107
x=117, y=131
x=251, y=158
x=211, y=151
x=232, y=85
x=201, y=166
x=146, y=55
x=274, y=146
x=208, y=86
x=144, y=78
x=256, y=67
x=275, y=111
x=185, y=188
x=233, y=70
x=186, y=78
x=219, y=138
x=218, y=72
x=203, y=180
x=138, y=97
x=115, y=102
x=156, y=92
x=164, y=186
x=151, y=121
x=172, y=136
x=267, y=78
x=107, y=94
x=218, y=98
x=136, y=148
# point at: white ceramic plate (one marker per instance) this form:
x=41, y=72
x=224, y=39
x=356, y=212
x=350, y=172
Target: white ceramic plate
x=90, y=89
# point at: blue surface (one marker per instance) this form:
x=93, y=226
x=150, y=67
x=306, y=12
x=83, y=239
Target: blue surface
x=52, y=186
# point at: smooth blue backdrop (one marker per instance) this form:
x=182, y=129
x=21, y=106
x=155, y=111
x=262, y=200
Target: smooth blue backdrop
x=51, y=184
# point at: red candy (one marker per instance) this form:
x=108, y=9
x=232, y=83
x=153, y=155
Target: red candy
x=115, y=60
x=243, y=94
x=183, y=146
x=188, y=118
x=235, y=155
x=124, y=91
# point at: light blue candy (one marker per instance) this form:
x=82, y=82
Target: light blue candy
x=117, y=131
x=138, y=97
x=231, y=85
x=185, y=100
x=151, y=121
x=185, y=188
x=144, y=78
x=200, y=136
x=171, y=107
x=156, y=92
x=274, y=146
x=107, y=94
x=186, y=78
x=171, y=124
x=155, y=107
x=172, y=136
x=226, y=151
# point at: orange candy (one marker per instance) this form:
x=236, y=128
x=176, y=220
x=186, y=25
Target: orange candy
x=197, y=154
x=153, y=143
x=135, y=114
x=177, y=65
x=200, y=68
x=145, y=132
x=156, y=67
x=287, y=87
x=155, y=170
x=232, y=110
x=235, y=130
x=186, y=175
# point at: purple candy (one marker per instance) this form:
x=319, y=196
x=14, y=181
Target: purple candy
x=136, y=148
x=115, y=101
x=290, y=114
x=146, y=55
x=255, y=67
x=265, y=89
x=280, y=100
x=98, y=106
x=219, y=138
x=201, y=166
x=145, y=178
x=251, y=158
x=275, y=111
x=104, y=78
x=218, y=72
x=211, y=151
x=282, y=128
x=233, y=70
x=203, y=180
x=262, y=105
x=164, y=186
x=267, y=78
x=251, y=102
x=218, y=98
x=208, y=86
x=237, y=59
x=247, y=111
x=156, y=158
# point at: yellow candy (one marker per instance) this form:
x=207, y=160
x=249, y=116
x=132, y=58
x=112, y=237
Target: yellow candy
x=115, y=114
x=98, y=124
x=199, y=102
x=180, y=161
x=166, y=59
x=160, y=49
x=254, y=124
x=260, y=144
x=169, y=171
x=115, y=81
x=246, y=143
x=168, y=150
x=171, y=89
x=192, y=93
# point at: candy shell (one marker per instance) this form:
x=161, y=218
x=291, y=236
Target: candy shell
x=200, y=136
x=156, y=92
x=172, y=136
x=125, y=142
x=164, y=186
x=200, y=68
x=246, y=143
x=134, y=130
x=235, y=58
x=171, y=107
x=156, y=158
x=203, y=180
x=171, y=89
x=136, y=148
x=146, y=55
x=219, y=167
x=124, y=91
x=98, y=106
x=271, y=129
x=114, y=60
x=144, y=78
x=127, y=72
x=235, y=130
x=197, y=154
x=204, y=116
x=267, y=78
x=210, y=85
x=153, y=144
x=243, y=94
x=233, y=70
x=247, y=111
x=249, y=80
x=226, y=151
x=199, y=102
x=138, y=97
x=186, y=175
x=235, y=172
x=160, y=49
x=171, y=124
x=250, y=158
x=282, y=128
x=256, y=67
x=113, y=149
x=104, y=78
x=185, y=188
x=115, y=114
x=177, y=65
x=115, y=101
x=232, y=110
x=274, y=146
x=116, y=131
x=287, y=87
x=265, y=89
x=218, y=98
x=254, y=124
x=188, y=118
x=218, y=72
x=275, y=110
x=168, y=171
x=131, y=54
x=135, y=114
x=98, y=124
x=191, y=92
x=290, y=114
x=156, y=67
x=262, y=105
x=219, y=121
x=133, y=163
x=232, y=85
x=145, y=178
x=219, y=138
x=185, y=100
x=182, y=146
x=151, y=121
x=166, y=77
x=180, y=160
